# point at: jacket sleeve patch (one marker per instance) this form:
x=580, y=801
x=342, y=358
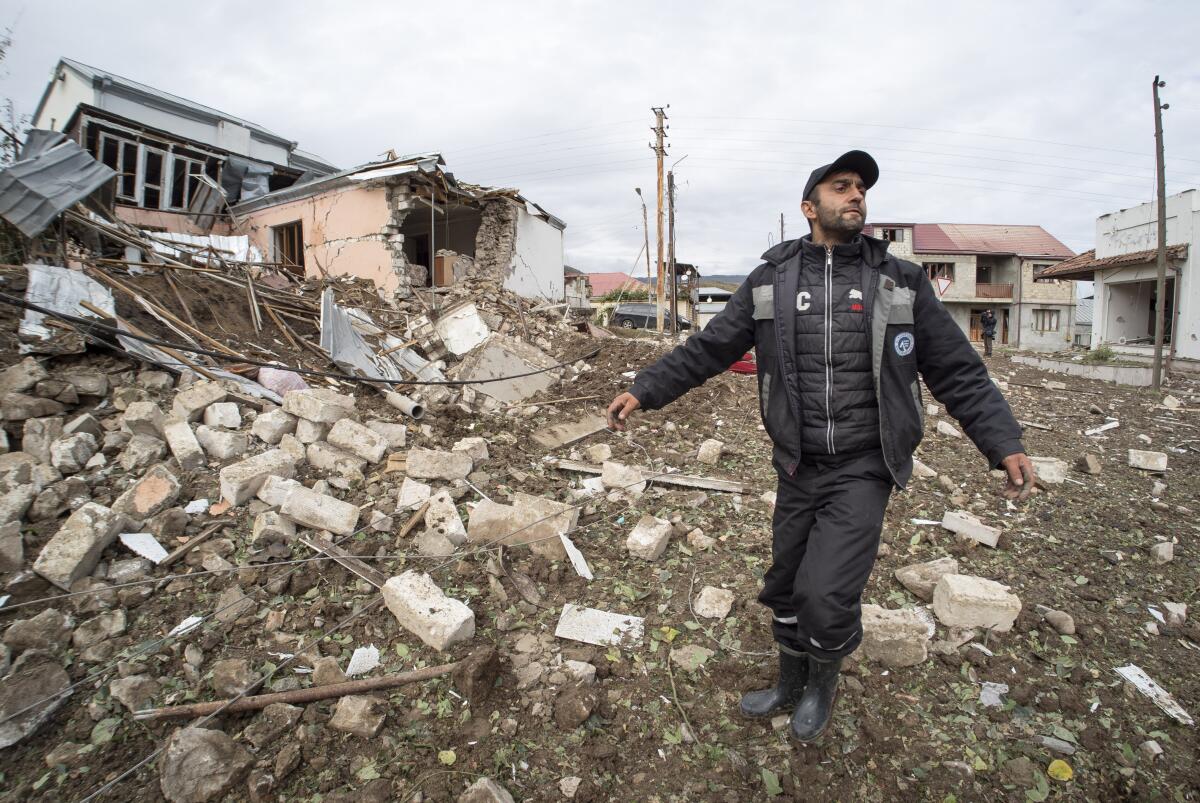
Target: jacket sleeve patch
x=764, y=302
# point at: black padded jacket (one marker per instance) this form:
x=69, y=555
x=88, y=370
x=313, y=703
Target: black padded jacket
x=909, y=332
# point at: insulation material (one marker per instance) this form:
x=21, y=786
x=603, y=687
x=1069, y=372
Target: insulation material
x=61, y=290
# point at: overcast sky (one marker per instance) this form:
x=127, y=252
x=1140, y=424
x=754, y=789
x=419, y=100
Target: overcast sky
x=1034, y=113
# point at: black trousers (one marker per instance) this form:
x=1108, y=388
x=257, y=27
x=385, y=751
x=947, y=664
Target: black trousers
x=825, y=535
x=987, y=345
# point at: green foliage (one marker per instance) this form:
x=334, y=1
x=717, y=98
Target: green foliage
x=629, y=294
x=1099, y=355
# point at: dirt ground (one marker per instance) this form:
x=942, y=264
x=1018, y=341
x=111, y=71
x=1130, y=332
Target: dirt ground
x=657, y=731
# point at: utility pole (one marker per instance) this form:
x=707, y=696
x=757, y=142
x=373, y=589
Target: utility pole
x=1160, y=296
x=671, y=250
x=645, y=236
x=660, y=151
x=780, y=227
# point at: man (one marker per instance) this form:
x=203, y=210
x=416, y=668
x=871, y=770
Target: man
x=841, y=329
x=988, y=321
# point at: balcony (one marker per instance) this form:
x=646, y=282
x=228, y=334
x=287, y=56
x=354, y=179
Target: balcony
x=993, y=291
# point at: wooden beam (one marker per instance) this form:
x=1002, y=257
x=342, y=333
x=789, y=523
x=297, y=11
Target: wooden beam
x=684, y=480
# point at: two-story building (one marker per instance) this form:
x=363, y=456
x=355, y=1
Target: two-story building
x=974, y=267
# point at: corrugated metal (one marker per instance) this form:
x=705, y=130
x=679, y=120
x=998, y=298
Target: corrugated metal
x=53, y=174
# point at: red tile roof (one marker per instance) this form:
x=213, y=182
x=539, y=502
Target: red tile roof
x=979, y=238
x=1084, y=265
x=605, y=283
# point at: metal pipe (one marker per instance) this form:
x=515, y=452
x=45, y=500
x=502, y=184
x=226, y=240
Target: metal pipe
x=404, y=404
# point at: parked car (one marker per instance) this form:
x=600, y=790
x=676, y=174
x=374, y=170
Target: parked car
x=642, y=316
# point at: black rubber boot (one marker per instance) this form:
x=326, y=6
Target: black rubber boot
x=815, y=710
x=793, y=673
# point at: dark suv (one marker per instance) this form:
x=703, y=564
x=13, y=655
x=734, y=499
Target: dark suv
x=643, y=316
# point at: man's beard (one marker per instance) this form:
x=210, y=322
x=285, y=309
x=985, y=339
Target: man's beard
x=833, y=222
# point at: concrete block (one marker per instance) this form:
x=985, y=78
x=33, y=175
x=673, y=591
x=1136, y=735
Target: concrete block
x=152, y=494
x=274, y=490
x=320, y=512
x=71, y=453
x=895, y=638
x=358, y=440
x=142, y=451
x=430, y=464
x=507, y=356
x=412, y=494
x=270, y=526
x=19, y=407
x=16, y=503
x=143, y=418
x=183, y=444
x=961, y=600
x=318, y=405
x=332, y=459
x=1163, y=552
x=1050, y=470
x=359, y=714
x=423, y=610
x=86, y=383
x=442, y=518
x=475, y=448
x=531, y=520
x=223, y=414
x=710, y=451
x=190, y=403
x=1148, y=461
x=922, y=578
x=241, y=481
x=85, y=423
x=222, y=444
x=964, y=524
x=649, y=538
x=922, y=471
x=271, y=426
x=22, y=376
x=713, y=602
x=75, y=549
x=309, y=431
x=38, y=434
x=627, y=480
x=948, y=429
x=396, y=435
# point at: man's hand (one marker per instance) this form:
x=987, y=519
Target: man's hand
x=1020, y=476
x=620, y=409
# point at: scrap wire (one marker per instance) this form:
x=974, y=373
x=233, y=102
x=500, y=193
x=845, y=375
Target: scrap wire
x=86, y=323
x=374, y=603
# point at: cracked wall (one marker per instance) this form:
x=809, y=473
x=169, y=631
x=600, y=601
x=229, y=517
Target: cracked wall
x=345, y=232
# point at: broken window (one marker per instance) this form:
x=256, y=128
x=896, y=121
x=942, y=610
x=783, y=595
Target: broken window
x=152, y=181
x=939, y=270
x=289, y=246
x=184, y=181
x=892, y=235
x=122, y=156
x=1045, y=320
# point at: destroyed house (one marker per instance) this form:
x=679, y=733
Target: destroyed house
x=183, y=168
x=164, y=147
x=407, y=223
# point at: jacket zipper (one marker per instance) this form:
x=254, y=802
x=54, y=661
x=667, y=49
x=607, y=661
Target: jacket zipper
x=829, y=349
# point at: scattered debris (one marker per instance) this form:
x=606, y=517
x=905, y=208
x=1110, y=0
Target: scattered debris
x=1142, y=682
x=602, y=628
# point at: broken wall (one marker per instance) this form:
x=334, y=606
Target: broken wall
x=174, y=222
x=495, y=240
x=536, y=268
x=346, y=232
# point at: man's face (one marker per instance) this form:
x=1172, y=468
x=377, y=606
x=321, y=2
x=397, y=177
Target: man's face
x=841, y=204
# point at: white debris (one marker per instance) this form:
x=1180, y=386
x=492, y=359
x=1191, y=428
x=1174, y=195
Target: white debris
x=991, y=695
x=196, y=506
x=145, y=545
x=188, y=624
x=578, y=561
x=602, y=628
x=1161, y=697
x=363, y=661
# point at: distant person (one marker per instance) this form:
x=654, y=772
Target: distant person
x=841, y=329
x=988, y=321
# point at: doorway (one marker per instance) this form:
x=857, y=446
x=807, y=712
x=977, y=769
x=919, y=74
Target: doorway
x=976, y=333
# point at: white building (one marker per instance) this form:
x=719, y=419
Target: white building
x=1123, y=267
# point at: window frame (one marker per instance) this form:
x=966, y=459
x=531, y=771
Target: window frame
x=933, y=270
x=1040, y=314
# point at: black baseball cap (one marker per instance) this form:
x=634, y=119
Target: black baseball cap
x=860, y=162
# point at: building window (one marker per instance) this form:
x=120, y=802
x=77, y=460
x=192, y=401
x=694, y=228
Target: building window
x=892, y=235
x=1045, y=320
x=122, y=156
x=289, y=246
x=184, y=180
x=939, y=270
